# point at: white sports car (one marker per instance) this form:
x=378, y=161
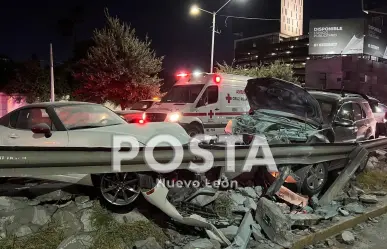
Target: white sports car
x=80, y=124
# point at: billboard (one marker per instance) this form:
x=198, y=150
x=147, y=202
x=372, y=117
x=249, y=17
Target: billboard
x=375, y=41
x=336, y=36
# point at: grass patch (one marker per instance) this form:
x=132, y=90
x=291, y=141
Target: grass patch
x=48, y=237
x=111, y=234
x=223, y=205
x=373, y=180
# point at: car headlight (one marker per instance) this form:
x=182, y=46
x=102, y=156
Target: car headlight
x=174, y=117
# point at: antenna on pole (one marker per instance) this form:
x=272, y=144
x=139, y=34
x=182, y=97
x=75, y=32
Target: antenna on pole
x=52, y=75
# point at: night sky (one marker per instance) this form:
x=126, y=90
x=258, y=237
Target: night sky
x=27, y=27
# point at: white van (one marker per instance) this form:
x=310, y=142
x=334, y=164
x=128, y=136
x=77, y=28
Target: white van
x=202, y=103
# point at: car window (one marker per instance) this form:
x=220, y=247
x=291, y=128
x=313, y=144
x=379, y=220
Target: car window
x=13, y=119
x=346, y=112
x=358, y=113
x=27, y=118
x=212, y=93
x=87, y=116
x=327, y=109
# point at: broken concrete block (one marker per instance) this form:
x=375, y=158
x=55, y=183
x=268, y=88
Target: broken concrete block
x=379, y=193
x=258, y=191
x=285, y=208
x=305, y=219
x=244, y=232
x=237, y=198
x=343, y=212
x=230, y=232
x=149, y=243
x=250, y=203
x=203, y=244
x=348, y=237
x=239, y=209
x=350, y=200
x=248, y=191
x=355, y=208
x=328, y=212
x=275, y=224
x=370, y=199
x=257, y=232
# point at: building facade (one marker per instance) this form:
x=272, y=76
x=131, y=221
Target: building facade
x=292, y=18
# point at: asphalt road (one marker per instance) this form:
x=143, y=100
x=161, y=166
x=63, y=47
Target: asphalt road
x=371, y=236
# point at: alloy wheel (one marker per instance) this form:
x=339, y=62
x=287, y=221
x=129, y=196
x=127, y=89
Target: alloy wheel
x=316, y=176
x=120, y=189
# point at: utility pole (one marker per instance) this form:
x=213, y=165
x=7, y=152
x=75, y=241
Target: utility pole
x=213, y=41
x=52, y=75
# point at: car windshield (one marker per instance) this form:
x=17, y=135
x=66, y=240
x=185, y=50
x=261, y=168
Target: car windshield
x=141, y=106
x=327, y=109
x=183, y=94
x=87, y=116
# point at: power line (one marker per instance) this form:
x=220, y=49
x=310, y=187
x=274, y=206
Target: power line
x=248, y=18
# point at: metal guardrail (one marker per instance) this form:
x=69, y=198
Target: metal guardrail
x=19, y=161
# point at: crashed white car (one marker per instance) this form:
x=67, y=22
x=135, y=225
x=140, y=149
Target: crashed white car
x=80, y=124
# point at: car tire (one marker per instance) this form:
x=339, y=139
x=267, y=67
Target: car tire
x=314, y=178
x=377, y=132
x=118, y=191
x=193, y=130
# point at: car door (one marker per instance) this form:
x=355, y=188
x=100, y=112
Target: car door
x=19, y=131
x=361, y=122
x=343, y=125
x=209, y=104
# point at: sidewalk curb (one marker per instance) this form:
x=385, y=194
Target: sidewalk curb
x=337, y=228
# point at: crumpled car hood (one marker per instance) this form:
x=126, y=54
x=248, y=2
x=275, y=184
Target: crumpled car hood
x=282, y=96
x=277, y=129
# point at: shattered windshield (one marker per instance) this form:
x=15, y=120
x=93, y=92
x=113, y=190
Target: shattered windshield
x=183, y=94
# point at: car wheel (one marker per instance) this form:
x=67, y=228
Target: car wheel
x=315, y=179
x=119, y=190
x=193, y=130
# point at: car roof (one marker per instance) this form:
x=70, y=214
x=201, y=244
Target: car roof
x=335, y=96
x=56, y=104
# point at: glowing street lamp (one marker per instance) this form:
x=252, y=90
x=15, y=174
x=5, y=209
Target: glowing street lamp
x=195, y=10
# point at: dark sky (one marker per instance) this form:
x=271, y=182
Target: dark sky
x=27, y=27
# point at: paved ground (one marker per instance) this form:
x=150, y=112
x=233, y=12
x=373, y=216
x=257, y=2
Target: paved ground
x=371, y=236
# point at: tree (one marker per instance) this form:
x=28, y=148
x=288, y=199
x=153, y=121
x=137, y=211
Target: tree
x=119, y=68
x=277, y=69
x=31, y=81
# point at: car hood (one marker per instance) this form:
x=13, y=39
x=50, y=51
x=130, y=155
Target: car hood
x=143, y=132
x=128, y=112
x=283, y=97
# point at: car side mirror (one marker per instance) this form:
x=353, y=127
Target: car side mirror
x=343, y=122
x=42, y=128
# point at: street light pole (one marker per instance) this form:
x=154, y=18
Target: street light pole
x=213, y=41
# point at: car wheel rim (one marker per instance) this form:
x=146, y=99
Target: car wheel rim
x=120, y=189
x=192, y=133
x=316, y=176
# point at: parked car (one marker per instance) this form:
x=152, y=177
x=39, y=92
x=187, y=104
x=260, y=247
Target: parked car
x=136, y=112
x=350, y=114
x=79, y=124
x=380, y=113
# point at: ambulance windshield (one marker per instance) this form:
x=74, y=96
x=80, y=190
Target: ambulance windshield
x=183, y=94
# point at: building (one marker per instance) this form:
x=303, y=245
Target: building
x=265, y=49
x=283, y=40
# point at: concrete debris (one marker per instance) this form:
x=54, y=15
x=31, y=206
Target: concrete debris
x=86, y=220
x=258, y=191
x=250, y=204
x=149, y=243
x=274, y=223
x=244, y=233
x=357, y=157
x=348, y=237
x=343, y=212
x=355, y=208
x=369, y=199
x=77, y=241
x=285, y=208
x=330, y=243
x=328, y=212
x=58, y=195
x=203, y=196
x=9, y=204
x=350, y=200
x=70, y=222
x=41, y=216
x=130, y=217
x=79, y=200
x=305, y=219
x=379, y=193
x=248, y=191
x=237, y=198
x=257, y=232
x=23, y=231
x=203, y=244
x=230, y=232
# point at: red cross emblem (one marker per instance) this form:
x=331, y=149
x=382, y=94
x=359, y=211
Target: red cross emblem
x=228, y=98
x=211, y=113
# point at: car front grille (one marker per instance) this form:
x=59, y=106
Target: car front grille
x=156, y=117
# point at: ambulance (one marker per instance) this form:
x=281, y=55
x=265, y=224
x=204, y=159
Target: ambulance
x=202, y=103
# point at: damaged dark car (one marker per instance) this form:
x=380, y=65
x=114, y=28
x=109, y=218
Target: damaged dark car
x=285, y=113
